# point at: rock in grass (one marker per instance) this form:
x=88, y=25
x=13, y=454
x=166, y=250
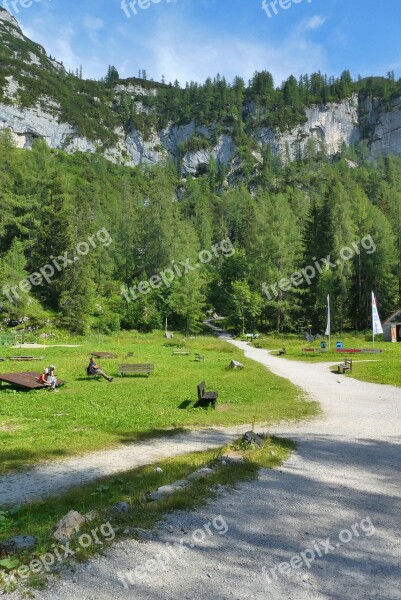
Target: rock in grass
x=252, y=438
x=68, y=525
x=231, y=458
x=167, y=490
x=19, y=543
x=234, y=364
x=121, y=508
x=200, y=473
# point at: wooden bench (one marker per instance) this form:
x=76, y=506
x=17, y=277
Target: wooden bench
x=199, y=357
x=345, y=366
x=205, y=398
x=136, y=369
x=180, y=351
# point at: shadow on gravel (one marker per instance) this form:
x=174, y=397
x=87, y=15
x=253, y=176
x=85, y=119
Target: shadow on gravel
x=287, y=512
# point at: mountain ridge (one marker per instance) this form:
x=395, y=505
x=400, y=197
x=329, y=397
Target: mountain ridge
x=40, y=100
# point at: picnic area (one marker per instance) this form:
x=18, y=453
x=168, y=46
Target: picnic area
x=92, y=414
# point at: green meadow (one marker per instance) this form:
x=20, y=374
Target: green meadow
x=376, y=368
x=89, y=414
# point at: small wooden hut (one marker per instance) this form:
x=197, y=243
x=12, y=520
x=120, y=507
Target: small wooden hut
x=392, y=327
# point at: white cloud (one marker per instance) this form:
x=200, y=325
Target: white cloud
x=313, y=23
x=92, y=26
x=194, y=54
x=61, y=47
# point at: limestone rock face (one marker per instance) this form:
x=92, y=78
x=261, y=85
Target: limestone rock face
x=28, y=124
x=384, y=126
x=192, y=144
x=331, y=125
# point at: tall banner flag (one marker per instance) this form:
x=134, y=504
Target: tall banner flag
x=328, y=317
x=376, y=324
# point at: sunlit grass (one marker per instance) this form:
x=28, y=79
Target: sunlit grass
x=89, y=415
x=377, y=368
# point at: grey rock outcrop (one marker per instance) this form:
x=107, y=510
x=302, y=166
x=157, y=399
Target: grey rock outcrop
x=330, y=125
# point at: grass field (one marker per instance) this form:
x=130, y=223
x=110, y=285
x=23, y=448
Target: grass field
x=376, y=368
x=89, y=415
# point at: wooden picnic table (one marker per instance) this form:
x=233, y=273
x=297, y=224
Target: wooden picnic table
x=104, y=355
x=28, y=381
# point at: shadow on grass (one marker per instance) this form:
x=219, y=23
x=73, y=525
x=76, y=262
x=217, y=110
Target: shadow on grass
x=127, y=438
x=13, y=459
x=185, y=404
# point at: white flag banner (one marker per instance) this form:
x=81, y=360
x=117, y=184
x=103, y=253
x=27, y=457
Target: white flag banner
x=328, y=327
x=376, y=324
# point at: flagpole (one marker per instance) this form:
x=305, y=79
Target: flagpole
x=376, y=324
x=328, y=327
x=373, y=322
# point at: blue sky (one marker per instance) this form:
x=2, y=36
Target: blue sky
x=193, y=39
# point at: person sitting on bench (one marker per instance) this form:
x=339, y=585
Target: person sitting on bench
x=43, y=376
x=48, y=378
x=94, y=369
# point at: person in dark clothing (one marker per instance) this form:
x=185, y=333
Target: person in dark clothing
x=94, y=369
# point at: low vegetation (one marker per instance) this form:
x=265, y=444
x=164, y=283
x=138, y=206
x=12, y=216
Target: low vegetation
x=383, y=367
x=38, y=519
x=88, y=414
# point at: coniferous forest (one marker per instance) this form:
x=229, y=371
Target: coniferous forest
x=280, y=220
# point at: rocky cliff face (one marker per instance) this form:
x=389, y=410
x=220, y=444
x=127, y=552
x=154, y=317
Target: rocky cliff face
x=331, y=125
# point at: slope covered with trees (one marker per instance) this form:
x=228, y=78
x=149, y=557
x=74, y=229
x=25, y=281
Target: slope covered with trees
x=281, y=220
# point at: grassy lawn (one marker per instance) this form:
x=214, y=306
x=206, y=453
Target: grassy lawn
x=89, y=415
x=377, y=368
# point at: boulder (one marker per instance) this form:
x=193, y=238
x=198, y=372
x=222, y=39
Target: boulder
x=231, y=458
x=19, y=543
x=121, y=508
x=168, y=490
x=252, y=438
x=68, y=525
x=234, y=364
x=200, y=473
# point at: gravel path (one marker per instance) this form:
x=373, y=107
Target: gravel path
x=342, y=483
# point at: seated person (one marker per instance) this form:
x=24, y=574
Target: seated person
x=48, y=378
x=94, y=369
x=43, y=376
